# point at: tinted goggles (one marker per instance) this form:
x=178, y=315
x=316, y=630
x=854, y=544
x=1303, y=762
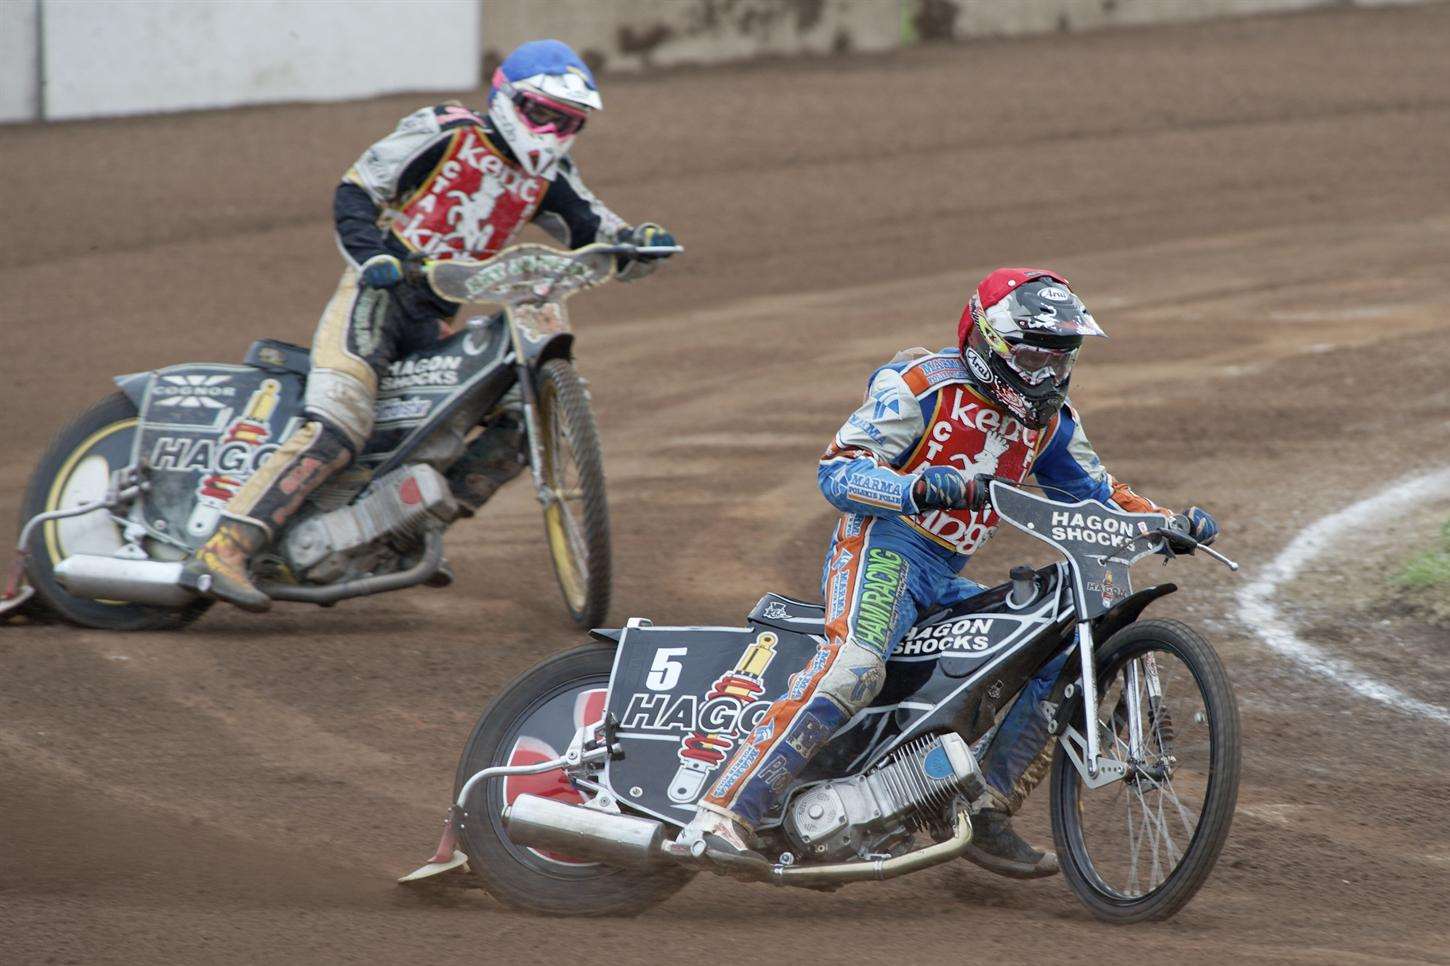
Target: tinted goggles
x=542, y=115
x=1034, y=363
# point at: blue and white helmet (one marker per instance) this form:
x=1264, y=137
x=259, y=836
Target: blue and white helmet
x=542, y=94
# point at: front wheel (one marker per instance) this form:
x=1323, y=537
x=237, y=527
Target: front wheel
x=533, y=720
x=1141, y=848
x=576, y=513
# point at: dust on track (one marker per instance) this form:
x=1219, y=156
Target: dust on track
x=1258, y=210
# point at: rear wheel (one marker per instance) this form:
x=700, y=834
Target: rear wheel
x=576, y=513
x=1141, y=848
x=532, y=720
x=76, y=469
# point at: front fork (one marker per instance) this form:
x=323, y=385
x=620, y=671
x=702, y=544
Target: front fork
x=530, y=397
x=1085, y=750
x=531, y=425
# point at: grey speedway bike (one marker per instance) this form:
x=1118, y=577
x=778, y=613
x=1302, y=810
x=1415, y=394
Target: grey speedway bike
x=579, y=774
x=133, y=485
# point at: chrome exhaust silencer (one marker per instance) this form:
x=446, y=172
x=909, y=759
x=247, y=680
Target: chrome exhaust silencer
x=115, y=578
x=626, y=841
x=583, y=833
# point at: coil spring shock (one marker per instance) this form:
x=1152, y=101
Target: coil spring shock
x=710, y=748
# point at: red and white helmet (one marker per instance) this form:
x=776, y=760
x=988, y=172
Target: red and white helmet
x=1019, y=337
x=542, y=94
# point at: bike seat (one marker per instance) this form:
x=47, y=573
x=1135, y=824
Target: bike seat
x=788, y=614
x=276, y=354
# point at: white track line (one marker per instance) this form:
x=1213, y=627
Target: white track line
x=1257, y=610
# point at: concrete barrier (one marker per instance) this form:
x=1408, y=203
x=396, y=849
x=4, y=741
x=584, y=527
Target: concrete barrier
x=632, y=35
x=89, y=58
x=963, y=19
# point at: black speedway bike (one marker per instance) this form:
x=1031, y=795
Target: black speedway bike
x=580, y=773
x=130, y=488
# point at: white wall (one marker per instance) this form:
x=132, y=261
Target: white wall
x=109, y=57
x=19, y=73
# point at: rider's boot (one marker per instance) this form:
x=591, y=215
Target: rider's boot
x=996, y=846
x=219, y=568
x=718, y=839
x=1016, y=762
x=493, y=458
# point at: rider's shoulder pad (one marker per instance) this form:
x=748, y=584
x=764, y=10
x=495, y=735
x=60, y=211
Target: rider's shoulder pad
x=930, y=372
x=452, y=114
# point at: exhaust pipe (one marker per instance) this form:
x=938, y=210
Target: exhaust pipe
x=623, y=840
x=620, y=840
x=841, y=873
x=115, y=578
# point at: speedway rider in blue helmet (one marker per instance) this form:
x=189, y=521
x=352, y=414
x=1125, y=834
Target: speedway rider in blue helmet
x=905, y=472
x=448, y=182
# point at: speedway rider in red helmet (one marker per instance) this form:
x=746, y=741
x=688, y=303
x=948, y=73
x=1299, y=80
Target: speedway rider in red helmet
x=902, y=469
x=448, y=182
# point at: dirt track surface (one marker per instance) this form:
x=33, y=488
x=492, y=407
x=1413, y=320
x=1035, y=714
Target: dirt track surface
x=1258, y=211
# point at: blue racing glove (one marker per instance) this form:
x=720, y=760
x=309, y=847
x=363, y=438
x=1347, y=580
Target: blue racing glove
x=382, y=271
x=646, y=235
x=1201, y=525
x=943, y=488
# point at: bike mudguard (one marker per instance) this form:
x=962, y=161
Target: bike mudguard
x=543, y=331
x=684, y=697
x=1123, y=613
x=134, y=386
x=1127, y=610
x=205, y=428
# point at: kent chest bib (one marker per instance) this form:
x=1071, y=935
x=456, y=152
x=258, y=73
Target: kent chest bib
x=472, y=203
x=967, y=432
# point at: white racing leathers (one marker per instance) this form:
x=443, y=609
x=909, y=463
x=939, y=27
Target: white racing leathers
x=443, y=185
x=889, y=562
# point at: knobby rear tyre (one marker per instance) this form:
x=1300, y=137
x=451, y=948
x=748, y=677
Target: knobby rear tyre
x=511, y=874
x=105, y=431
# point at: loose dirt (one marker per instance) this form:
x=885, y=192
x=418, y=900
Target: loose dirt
x=1259, y=213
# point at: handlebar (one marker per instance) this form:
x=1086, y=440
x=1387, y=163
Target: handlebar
x=416, y=264
x=1174, y=536
x=1176, y=541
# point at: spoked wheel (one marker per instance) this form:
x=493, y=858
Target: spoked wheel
x=576, y=513
x=1140, y=848
x=77, y=469
x=533, y=720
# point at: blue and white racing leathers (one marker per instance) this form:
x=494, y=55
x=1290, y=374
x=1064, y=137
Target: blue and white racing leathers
x=889, y=562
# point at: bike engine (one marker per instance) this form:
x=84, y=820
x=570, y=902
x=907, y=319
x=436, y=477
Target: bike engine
x=398, y=506
x=908, y=790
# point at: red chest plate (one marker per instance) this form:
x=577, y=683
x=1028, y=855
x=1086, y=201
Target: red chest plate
x=472, y=204
x=966, y=433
